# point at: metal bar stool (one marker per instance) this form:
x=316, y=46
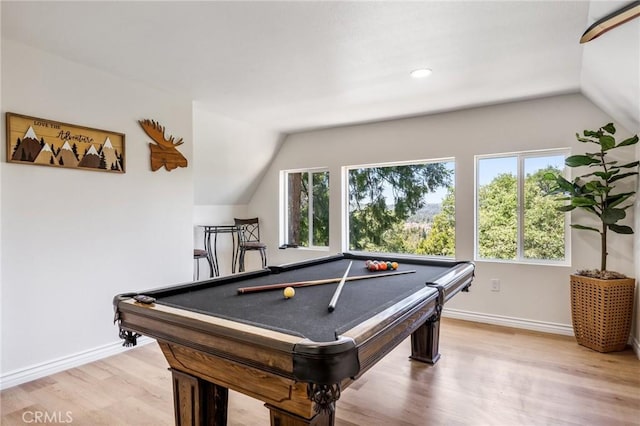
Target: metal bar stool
x=197, y=255
x=248, y=240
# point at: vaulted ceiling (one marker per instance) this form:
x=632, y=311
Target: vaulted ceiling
x=288, y=66
x=264, y=69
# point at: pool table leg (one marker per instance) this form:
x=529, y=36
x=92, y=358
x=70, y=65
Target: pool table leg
x=283, y=418
x=198, y=402
x=425, y=341
x=425, y=345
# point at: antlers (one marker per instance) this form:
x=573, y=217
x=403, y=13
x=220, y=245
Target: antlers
x=156, y=132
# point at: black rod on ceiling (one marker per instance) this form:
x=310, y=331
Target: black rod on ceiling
x=612, y=20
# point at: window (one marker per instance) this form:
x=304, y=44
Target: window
x=515, y=221
x=402, y=208
x=307, y=208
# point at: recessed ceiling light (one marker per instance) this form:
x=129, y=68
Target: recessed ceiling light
x=421, y=73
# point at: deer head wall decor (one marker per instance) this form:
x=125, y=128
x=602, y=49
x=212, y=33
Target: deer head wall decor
x=165, y=152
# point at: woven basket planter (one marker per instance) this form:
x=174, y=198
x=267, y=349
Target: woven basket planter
x=601, y=311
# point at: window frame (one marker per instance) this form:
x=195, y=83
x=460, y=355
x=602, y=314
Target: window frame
x=284, y=207
x=520, y=182
x=344, y=244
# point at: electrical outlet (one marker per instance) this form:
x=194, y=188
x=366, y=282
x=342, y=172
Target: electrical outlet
x=495, y=284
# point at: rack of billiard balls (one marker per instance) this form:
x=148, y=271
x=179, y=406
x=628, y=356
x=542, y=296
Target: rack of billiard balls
x=377, y=265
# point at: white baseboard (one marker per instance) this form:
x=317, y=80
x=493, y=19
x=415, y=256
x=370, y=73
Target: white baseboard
x=14, y=378
x=526, y=324
x=545, y=327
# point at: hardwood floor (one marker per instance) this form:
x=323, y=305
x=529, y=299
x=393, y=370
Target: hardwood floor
x=487, y=375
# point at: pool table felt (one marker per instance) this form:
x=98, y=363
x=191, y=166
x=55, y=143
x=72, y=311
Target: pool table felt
x=306, y=314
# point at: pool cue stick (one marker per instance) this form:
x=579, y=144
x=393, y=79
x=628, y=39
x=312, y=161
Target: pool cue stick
x=254, y=289
x=336, y=294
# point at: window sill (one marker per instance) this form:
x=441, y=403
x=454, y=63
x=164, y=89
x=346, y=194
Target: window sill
x=402, y=255
x=303, y=248
x=523, y=262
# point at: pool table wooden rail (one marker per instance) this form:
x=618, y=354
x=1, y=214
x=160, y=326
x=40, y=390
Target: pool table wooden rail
x=217, y=336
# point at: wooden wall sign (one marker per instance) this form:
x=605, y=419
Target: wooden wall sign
x=165, y=152
x=39, y=141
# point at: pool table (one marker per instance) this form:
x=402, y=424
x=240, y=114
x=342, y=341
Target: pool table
x=293, y=354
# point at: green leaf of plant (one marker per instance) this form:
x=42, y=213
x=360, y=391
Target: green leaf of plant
x=583, y=201
x=592, y=210
x=610, y=216
x=586, y=228
x=614, y=200
x=603, y=175
x=595, y=186
x=565, y=208
x=607, y=142
x=620, y=229
x=622, y=176
x=626, y=166
x=564, y=184
x=592, y=133
x=581, y=139
x=609, y=128
x=631, y=141
x=579, y=191
x=580, y=160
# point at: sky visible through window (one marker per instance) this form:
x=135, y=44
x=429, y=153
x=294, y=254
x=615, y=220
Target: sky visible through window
x=492, y=167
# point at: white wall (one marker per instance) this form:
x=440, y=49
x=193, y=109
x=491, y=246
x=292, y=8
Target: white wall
x=230, y=157
x=73, y=239
x=530, y=293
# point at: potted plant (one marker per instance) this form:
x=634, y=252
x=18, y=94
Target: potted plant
x=601, y=300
